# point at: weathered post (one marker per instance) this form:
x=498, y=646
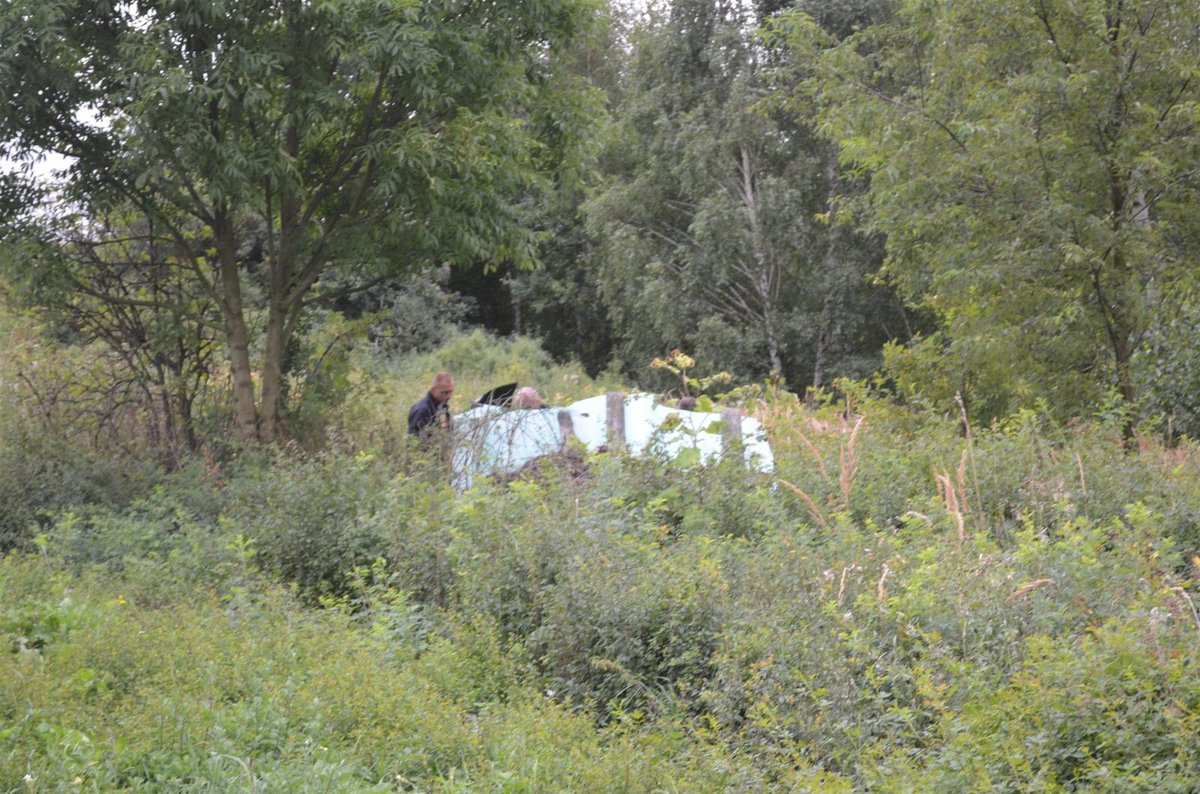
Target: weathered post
x=566, y=427
x=615, y=422
x=731, y=431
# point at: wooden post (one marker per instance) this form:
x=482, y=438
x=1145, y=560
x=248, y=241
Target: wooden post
x=731, y=430
x=566, y=428
x=615, y=421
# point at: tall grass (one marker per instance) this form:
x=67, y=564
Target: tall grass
x=900, y=606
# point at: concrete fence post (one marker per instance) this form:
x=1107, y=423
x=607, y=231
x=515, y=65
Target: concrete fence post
x=731, y=430
x=566, y=427
x=615, y=422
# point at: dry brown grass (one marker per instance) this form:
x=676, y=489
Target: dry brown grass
x=793, y=426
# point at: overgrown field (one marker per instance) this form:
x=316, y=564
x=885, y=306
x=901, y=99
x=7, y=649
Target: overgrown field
x=901, y=607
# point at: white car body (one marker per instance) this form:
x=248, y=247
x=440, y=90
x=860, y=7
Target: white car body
x=496, y=440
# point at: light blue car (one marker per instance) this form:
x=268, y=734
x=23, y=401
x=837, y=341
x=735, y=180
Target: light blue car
x=494, y=439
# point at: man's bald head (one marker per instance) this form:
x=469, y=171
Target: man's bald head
x=441, y=388
x=527, y=397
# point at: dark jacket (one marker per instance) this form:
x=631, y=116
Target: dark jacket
x=426, y=412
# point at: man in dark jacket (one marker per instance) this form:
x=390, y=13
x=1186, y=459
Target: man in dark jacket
x=432, y=410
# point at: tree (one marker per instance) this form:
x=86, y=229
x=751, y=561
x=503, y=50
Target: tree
x=354, y=137
x=118, y=287
x=710, y=219
x=1033, y=166
x=559, y=302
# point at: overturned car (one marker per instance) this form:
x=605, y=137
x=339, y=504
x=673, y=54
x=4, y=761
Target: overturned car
x=494, y=439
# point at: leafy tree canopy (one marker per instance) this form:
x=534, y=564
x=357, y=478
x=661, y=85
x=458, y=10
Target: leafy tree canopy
x=304, y=139
x=710, y=220
x=1033, y=167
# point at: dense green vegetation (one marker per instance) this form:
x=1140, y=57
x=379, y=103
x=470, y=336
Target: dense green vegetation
x=996, y=205
x=944, y=252
x=899, y=608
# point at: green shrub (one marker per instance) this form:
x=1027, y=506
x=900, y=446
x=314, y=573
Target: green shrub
x=44, y=474
x=629, y=625
x=1114, y=711
x=53, y=453
x=254, y=691
x=507, y=545
x=412, y=521
x=860, y=644
x=310, y=516
x=721, y=500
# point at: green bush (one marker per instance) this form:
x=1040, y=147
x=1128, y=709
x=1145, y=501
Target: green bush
x=721, y=500
x=631, y=626
x=507, y=545
x=253, y=691
x=1114, y=711
x=44, y=473
x=862, y=644
x=310, y=516
x=52, y=451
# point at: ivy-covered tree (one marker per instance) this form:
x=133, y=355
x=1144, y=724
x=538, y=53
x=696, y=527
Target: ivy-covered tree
x=359, y=137
x=1033, y=167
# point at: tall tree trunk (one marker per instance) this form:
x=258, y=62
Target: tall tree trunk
x=1120, y=338
x=1119, y=310
x=764, y=283
x=831, y=266
x=187, y=423
x=272, y=372
x=275, y=343
x=823, y=342
x=237, y=335
x=170, y=433
x=282, y=269
x=773, y=344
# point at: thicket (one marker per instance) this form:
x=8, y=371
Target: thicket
x=900, y=606
x=224, y=565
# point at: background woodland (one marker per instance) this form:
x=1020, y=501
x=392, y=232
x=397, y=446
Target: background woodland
x=944, y=251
